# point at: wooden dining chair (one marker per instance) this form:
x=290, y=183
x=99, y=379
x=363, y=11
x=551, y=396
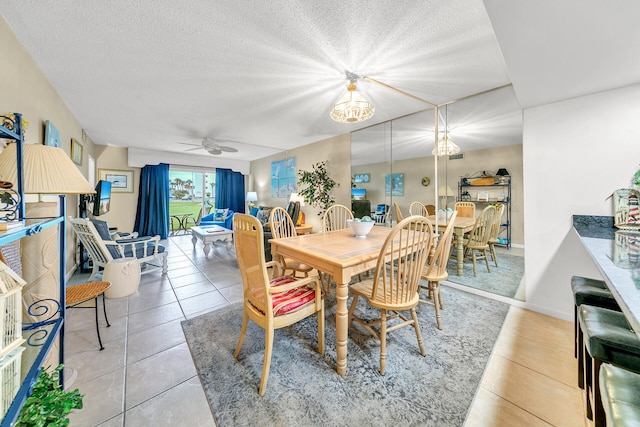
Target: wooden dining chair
x=335, y=218
x=397, y=212
x=271, y=303
x=282, y=226
x=465, y=209
x=431, y=209
x=495, y=231
x=395, y=283
x=436, y=270
x=418, y=208
x=476, y=245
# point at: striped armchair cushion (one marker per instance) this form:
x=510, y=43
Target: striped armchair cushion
x=290, y=301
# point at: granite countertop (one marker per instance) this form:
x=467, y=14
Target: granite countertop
x=617, y=256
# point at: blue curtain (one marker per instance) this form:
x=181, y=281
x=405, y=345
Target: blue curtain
x=230, y=190
x=152, y=213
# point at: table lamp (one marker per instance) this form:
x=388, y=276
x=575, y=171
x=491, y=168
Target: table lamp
x=503, y=174
x=252, y=198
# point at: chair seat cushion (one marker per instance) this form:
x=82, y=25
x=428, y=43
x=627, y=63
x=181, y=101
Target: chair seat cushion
x=139, y=250
x=291, y=300
x=608, y=337
x=620, y=392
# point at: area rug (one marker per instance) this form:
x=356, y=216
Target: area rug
x=305, y=390
x=503, y=280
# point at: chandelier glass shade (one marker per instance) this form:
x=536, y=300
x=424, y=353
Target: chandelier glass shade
x=352, y=107
x=446, y=147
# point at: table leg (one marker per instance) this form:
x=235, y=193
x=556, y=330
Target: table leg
x=460, y=240
x=206, y=248
x=342, y=326
x=194, y=239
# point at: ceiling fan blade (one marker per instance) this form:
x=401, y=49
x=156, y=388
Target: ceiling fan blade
x=188, y=143
x=193, y=149
x=227, y=149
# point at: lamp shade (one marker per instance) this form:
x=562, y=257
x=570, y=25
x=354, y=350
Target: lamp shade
x=445, y=147
x=252, y=196
x=47, y=170
x=352, y=107
x=502, y=172
x=445, y=191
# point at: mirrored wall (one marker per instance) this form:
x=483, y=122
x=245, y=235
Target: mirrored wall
x=393, y=165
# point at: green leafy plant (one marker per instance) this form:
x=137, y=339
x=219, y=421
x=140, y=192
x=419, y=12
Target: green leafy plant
x=317, y=186
x=48, y=404
x=636, y=178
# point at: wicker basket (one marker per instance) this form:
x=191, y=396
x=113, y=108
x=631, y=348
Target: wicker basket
x=11, y=310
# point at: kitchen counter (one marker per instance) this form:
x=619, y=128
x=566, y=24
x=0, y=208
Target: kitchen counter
x=616, y=253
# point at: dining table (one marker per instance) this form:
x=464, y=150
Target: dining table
x=342, y=255
x=461, y=225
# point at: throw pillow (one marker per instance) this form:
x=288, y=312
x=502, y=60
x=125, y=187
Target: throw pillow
x=220, y=214
x=263, y=215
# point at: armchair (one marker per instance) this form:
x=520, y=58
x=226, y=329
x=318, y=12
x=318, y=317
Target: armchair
x=220, y=218
x=96, y=238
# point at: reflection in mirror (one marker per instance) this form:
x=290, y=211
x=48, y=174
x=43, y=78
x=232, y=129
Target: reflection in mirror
x=397, y=155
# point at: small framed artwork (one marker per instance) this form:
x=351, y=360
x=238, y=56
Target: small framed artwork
x=500, y=197
x=394, y=184
x=51, y=135
x=361, y=178
x=121, y=180
x=76, y=152
x=483, y=196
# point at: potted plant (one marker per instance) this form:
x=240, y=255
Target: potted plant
x=48, y=404
x=317, y=186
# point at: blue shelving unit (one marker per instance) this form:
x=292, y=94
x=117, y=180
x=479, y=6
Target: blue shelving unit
x=39, y=336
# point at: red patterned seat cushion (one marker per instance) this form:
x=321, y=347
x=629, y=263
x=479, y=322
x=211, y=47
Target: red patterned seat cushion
x=287, y=302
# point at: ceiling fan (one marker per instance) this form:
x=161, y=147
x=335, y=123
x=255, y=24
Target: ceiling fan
x=212, y=146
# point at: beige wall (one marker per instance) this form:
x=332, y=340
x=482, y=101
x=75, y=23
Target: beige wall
x=26, y=90
x=122, y=213
x=509, y=157
x=336, y=150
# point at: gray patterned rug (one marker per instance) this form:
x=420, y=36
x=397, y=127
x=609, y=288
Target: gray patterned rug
x=305, y=390
x=503, y=280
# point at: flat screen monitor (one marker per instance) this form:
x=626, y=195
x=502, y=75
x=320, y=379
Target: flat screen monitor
x=102, y=200
x=359, y=194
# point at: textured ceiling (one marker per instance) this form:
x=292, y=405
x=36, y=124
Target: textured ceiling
x=265, y=73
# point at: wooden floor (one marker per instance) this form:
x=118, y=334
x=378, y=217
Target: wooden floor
x=531, y=377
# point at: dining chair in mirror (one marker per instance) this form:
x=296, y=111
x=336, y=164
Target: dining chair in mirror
x=466, y=209
x=436, y=270
x=418, y=208
x=282, y=226
x=477, y=244
x=271, y=303
x=394, y=287
x=495, y=231
x=397, y=212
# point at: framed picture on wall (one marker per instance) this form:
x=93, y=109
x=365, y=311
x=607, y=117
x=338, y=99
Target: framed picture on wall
x=76, y=152
x=121, y=180
x=361, y=178
x=51, y=135
x=394, y=184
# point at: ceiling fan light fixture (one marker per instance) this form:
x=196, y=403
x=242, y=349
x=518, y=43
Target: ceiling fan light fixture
x=445, y=147
x=352, y=107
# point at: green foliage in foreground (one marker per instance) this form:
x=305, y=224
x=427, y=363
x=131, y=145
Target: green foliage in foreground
x=48, y=404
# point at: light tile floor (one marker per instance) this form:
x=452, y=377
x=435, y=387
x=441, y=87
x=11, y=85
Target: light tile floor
x=145, y=375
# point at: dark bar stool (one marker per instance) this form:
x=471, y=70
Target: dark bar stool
x=620, y=391
x=607, y=338
x=591, y=292
x=77, y=294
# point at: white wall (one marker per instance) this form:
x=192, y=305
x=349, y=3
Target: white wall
x=576, y=153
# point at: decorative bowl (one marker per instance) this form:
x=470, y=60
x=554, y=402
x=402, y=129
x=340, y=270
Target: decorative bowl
x=360, y=229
